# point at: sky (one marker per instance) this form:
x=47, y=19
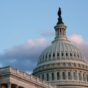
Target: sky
x=27, y=28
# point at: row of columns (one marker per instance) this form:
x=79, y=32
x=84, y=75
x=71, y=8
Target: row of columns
x=68, y=75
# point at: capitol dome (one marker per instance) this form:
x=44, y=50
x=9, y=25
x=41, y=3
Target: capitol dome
x=62, y=64
x=61, y=50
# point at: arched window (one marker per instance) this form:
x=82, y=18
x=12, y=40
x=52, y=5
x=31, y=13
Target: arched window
x=69, y=75
x=63, y=75
x=47, y=77
x=58, y=75
x=52, y=76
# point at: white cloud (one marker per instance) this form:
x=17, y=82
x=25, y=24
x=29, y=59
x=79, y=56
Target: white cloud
x=24, y=56
x=81, y=43
x=78, y=39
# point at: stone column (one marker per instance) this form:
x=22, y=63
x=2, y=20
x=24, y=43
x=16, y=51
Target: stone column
x=45, y=76
x=60, y=75
x=77, y=75
x=50, y=77
x=72, y=76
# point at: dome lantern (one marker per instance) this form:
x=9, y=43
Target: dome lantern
x=60, y=28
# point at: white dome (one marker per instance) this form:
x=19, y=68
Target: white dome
x=60, y=50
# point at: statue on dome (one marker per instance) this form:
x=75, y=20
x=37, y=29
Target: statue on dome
x=60, y=18
x=59, y=12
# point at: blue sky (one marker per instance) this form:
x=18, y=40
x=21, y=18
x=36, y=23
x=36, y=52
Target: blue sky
x=24, y=20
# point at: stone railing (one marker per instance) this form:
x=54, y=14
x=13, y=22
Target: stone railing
x=24, y=76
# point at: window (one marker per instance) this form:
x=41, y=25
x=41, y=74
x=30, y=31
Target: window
x=69, y=75
x=64, y=64
x=53, y=54
x=46, y=56
x=80, y=77
x=43, y=76
x=75, y=75
x=60, y=30
x=57, y=54
x=66, y=54
x=62, y=54
x=70, y=54
x=58, y=75
x=74, y=54
x=84, y=77
x=52, y=76
x=69, y=64
x=43, y=57
x=87, y=78
x=63, y=75
x=74, y=64
x=47, y=77
x=78, y=55
x=49, y=55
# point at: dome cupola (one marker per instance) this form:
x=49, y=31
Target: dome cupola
x=60, y=28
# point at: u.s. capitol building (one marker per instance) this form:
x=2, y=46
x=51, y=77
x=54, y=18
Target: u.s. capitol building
x=61, y=65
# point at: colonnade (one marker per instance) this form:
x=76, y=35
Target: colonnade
x=65, y=75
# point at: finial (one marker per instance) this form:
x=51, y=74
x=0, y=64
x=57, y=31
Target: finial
x=60, y=18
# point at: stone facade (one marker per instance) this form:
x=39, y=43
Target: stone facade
x=13, y=78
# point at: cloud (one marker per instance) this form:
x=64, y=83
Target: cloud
x=25, y=56
x=81, y=43
x=78, y=39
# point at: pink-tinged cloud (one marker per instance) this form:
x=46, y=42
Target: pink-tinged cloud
x=78, y=39
x=81, y=43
